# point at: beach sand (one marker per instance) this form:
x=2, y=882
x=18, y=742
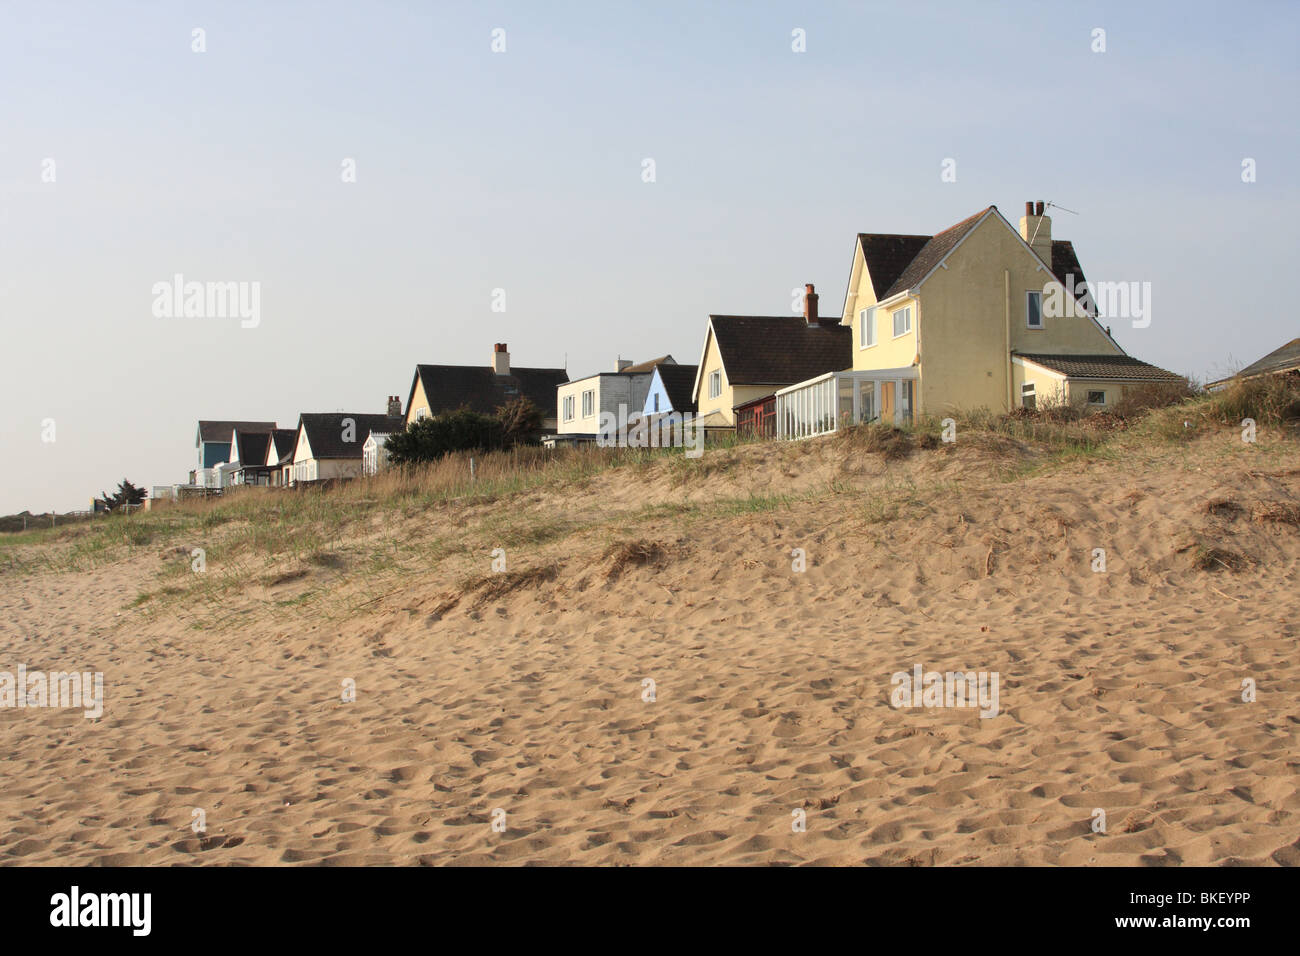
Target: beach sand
x=524, y=692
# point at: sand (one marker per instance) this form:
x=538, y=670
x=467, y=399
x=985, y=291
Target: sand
x=1119, y=691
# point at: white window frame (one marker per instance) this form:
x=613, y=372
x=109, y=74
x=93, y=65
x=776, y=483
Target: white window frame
x=1028, y=390
x=715, y=383
x=1029, y=297
x=588, y=402
x=568, y=408
x=1097, y=391
x=867, y=327
x=904, y=311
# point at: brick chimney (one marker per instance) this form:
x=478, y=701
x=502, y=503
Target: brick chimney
x=810, y=304
x=500, y=359
x=1036, y=229
x=622, y=363
x=395, y=406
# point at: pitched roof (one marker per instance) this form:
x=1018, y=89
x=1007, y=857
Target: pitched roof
x=679, y=383
x=221, y=431
x=779, y=349
x=448, y=387
x=896, y=263
x=1102, y=367
x=252, y=448
x=887, y=255
x=1066, y=263
x=1279, y=360
x=284, y=439
x=650, y=365
x=931, y=253
x=325, y=431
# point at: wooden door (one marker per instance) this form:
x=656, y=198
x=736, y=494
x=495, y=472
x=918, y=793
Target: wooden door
x=887, y=402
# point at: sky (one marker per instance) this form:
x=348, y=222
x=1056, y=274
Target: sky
x=379, y=171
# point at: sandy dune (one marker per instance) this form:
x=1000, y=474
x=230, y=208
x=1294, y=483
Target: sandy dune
x=1118, y=690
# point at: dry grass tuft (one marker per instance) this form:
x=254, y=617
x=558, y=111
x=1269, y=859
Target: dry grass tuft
x=1222, y=508
x=632, y=554
x=1276, y=512
x=493, y=587
x=1218, y=559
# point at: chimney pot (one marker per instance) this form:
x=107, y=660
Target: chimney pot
x=1029, y=208
x=1038, y=209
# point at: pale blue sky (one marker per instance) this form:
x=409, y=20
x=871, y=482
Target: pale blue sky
x=522, y=171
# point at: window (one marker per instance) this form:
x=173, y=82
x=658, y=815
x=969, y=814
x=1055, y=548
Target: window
x=1028, y=398
x=1096, y=397
x=867, y=327
x=421, y=412
x=656, y=401
x=902, y=321
x=588, y=403
x=715, y=384
x=568, y=408
x=1034, y=310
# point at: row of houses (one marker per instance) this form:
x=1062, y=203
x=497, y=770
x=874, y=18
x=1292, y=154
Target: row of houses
x=980, y=315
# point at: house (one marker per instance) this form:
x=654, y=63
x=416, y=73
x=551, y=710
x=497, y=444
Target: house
x=279, y=455
x=619, y=396
x=213, y=440
x=1278, y=362
x=750, y=357
x=670, y=389
x=247, y=465
x=980, y=315
x=436, y=389
x=330, y=445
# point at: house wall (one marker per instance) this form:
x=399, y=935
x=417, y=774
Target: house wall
x=888, y=352
x=579, y=425
x=419, y=403
x=656, y=388
x=214, y=453
x=1049, y=387
x=1079, y=389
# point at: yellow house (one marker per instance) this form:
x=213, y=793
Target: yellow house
x=981, y=315
x=750, y=357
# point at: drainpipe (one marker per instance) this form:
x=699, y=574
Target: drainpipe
x=916, y=387
x=1006, y=334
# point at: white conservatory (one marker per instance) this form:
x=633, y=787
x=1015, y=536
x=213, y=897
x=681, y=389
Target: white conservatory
x=821, y=405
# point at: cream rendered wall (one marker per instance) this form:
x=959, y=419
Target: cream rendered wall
x=1079, y=389
x=419, y=401
x=711, y=362
x=1049, y=387
x=580, y=424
